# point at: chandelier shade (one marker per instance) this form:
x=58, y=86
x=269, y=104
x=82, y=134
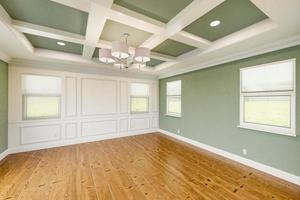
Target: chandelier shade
x=120, y=50
x=121, y=64
x=142, y=55
x=105, y=56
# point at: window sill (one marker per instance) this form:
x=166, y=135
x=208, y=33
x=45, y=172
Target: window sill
x=269, y=129
x=173, y=115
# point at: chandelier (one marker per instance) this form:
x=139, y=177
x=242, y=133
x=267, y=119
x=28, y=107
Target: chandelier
x=120, y=57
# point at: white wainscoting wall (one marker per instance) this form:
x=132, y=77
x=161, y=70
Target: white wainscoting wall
x=93, y=107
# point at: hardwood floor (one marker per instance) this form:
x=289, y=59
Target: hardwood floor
x=151, y=166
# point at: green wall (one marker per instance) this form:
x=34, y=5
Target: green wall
x=3, y=105
x=210, y=113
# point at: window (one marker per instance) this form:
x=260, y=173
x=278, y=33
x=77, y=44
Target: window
x=174, y=98
x=41, y=97
x=267, y=97
x=139, y=98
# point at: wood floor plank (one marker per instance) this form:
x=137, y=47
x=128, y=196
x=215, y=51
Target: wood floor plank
x=144, y=167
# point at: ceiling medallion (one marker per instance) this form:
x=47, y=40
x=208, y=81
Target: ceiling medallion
x=119, y=55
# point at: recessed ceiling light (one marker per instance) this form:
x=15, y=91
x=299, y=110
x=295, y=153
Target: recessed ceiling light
x=61, y=43
x=215, y=23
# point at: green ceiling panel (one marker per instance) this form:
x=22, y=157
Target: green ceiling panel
x=233, y=14
x=47, y=13
x=173, y=48
x=161, y=10
x=51, y=44
x=153, y=62
x=113, y=31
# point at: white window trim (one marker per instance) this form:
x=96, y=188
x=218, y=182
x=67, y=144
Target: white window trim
x=171, y=114
x=138, y=96
x=290, y=131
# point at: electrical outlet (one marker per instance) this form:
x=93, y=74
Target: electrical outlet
x=178, y=131
x=245, y=151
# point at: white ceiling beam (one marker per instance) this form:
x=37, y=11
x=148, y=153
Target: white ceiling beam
x=136, y=20
x=6, y=21
x=191, y=39
x=163, y=57
x=244, y=34
x=99, y=11
x=193, y=11
x=144, y=23
x=236, y=37
x=47, y=32
x=57, y=55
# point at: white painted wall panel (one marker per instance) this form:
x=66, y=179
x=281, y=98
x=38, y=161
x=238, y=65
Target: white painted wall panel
x=98, y=97
x=98, y=127
x=139, y=123
x=123, y=97
x=94, y=107
x=155, y=122
x=154, y=96
x=123, y=125
x=71, y=130
x=43, y=133
x=71, y=97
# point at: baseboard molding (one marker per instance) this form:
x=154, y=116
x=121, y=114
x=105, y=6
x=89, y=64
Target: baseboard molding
x=4, y=154
x=39, y=146
x=261, y=167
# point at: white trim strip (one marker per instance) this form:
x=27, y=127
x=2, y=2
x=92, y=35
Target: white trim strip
x=261, y=167
x=4, y=57
x=4, y=154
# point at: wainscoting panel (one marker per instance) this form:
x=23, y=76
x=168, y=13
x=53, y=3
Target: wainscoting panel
x=71, y=130
x=155, y=122
x=99, y=97
x=123, y=125
x=98, y=127
x=71, y=97
x=123, y=97
x=154, y=97
x=43, y=133
x=93, y=107
x=139, y=123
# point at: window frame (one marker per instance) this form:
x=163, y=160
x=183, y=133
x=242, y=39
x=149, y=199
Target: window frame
x=288, y=131
x=24, y=100
x=143, y=97
x=172, y=114
x=140, y=96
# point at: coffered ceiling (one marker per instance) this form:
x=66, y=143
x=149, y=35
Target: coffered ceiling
x=159, y=10
x=178, y=32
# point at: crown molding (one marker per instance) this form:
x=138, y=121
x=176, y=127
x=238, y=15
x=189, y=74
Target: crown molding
x=82, y=68
x=4, y=57
x=278, y=45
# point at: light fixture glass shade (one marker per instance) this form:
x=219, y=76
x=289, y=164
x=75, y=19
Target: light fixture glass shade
x=120, y=50
x=105, y=56
x=142, y=55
